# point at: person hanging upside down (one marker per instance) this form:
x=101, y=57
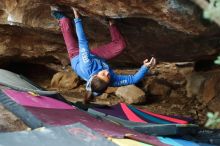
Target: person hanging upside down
x=89, y=64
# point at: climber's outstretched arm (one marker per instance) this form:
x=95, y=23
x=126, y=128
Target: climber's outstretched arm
x=84, y=51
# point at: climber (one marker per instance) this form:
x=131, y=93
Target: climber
x=91, y=65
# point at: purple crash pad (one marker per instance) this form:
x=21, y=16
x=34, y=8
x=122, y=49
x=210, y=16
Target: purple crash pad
x=50, y=115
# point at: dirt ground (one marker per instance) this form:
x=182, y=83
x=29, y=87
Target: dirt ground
x=9, y=122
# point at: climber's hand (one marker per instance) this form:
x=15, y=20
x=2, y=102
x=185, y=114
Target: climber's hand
x=150, y=63
x=76, y=13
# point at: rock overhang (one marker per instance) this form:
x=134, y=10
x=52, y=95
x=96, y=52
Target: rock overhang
x=171, y=30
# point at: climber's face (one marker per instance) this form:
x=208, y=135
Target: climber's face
x=104, y=75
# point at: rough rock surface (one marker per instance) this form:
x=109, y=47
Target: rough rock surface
x=205, y=86
x=131, y=94
x=171, y=30
x=159, y=89
x=65, y=80
x=214, y=104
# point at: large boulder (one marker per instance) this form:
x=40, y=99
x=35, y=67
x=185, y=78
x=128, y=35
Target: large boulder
x=205, y=87
x=65, y=80
x=131, y=94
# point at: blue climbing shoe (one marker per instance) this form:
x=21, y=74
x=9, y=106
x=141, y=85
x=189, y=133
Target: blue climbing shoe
x=56, y=12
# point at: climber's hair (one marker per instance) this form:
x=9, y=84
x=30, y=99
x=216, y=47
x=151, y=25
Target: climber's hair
x=97, y=85
x=88, y=97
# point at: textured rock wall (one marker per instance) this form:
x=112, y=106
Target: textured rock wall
x=171, y=30
x=175, y=14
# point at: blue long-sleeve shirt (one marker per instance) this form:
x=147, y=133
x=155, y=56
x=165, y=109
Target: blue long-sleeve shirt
x=86, y=64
